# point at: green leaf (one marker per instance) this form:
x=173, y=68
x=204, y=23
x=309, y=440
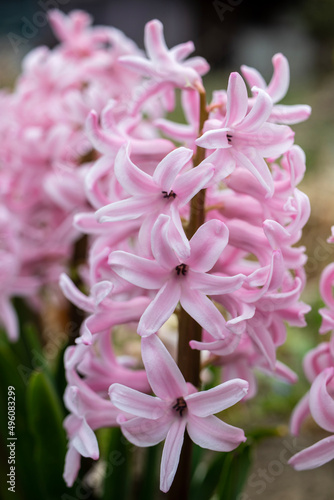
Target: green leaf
x=206, y=478
x=117, y=474
x=26, y=472
x=235, y=473
x=150, y=481
x=224, y=477
x=45, y=420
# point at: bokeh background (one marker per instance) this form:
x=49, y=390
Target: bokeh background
x=229, y=34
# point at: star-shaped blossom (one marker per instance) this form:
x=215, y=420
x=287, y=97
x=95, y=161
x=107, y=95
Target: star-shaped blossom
x=276, y=89
x=177, y=407
x=166, y=191
x=187, y=281
x=166, y=68
x=245, y=137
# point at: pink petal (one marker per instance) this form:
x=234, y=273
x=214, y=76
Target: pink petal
x=241, y=368
x=211, y=284
x=262, y=338
x=134, y=180
x=237, y=99
x=314, y=456
x=73, y=294
x=101, y=167
x=118, y=313
x=258, y=114
x=163, y=374
x=188, y=184
x=85, y=441
x=289, y=115
x=321, y=402
x=279, y=83
x=316, y=360
x=101, y=141
x=8, y=319
x=182, y=50
x=273, y=140
x=253, y=77
x=199, y=64
x=167, y=170
x=219, y=398
x=154, y=40
x=136, y=403
x=136, y=63
x=162, y=250
x=213, y=434
x=72, y=465
x=219, y=347
x=171, y=453
x=207, y=245
x=177, y=237
x=199, y=307
x=190, y=104
x=86, y=223
x=300, y=412
x=213, y=139
x=326, y=285
x=146, y=432
x=160, y=309
x=177, y=131
x=284, y=373
x=141, y=272
x=128, y=209
x=258, y=167
x=100, y=291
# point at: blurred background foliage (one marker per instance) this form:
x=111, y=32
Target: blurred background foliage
x=228, y=34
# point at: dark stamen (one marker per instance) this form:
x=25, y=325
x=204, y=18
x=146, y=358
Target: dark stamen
x=181, y=269
x=229, y=138
x=171, y=194
x=180, y=406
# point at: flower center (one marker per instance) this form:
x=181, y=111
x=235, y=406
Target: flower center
x=180, y=405
x=181, y=269
x=229, y=138
x=171, y=194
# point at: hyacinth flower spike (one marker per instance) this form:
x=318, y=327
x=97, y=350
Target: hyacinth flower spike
x=177, y=407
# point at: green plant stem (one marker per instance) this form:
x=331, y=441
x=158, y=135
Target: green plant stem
x=187, y=358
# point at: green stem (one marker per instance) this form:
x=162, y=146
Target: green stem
x=187, y=358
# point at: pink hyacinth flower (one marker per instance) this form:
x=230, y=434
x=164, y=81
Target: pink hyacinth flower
x=276, y=89
x=88, y=412
x=245, y=137
x=177, y=407
x=166, y=191
x=166, y=68
x=321, y=405
x=187, y=280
